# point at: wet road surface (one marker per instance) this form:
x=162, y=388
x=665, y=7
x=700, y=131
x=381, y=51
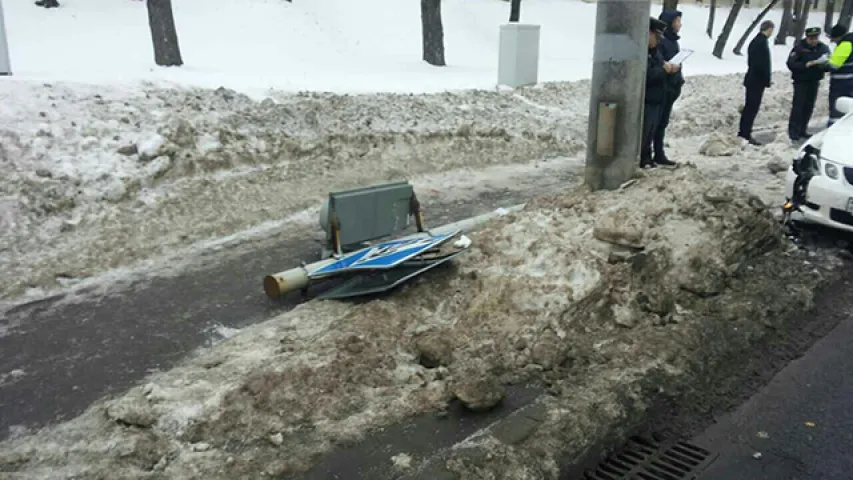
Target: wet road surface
x=800, y=425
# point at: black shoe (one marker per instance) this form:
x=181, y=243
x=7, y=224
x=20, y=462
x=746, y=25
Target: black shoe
x=751, y=140
x=664, y=162
x=647, y=163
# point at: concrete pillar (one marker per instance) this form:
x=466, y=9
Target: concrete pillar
x=617, y=92
x=5, y=67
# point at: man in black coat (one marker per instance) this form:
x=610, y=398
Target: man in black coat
x=757, y=79
x=668, y=48
x=656, y=72
x=807, y=63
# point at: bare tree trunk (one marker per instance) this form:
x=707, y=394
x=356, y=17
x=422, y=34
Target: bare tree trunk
x=846, y=13
x=795, y=17
x=815, y=4
x=802, y=20
x=167, y=52
x=727, y=29
x=515, y=11
x=758, y=19
x=433, y=32
x=670, y=4
x=785, y=24
x=711, y=14
x=828, y=21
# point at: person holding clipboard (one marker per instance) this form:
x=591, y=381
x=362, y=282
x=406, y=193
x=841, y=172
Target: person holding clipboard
x=807, y=63
x=657, y=73
x=672, y=54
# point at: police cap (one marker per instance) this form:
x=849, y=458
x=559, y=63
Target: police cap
x=813, y=32
x=656, y=25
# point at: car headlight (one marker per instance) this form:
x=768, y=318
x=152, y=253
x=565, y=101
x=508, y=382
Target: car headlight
x=830, y=170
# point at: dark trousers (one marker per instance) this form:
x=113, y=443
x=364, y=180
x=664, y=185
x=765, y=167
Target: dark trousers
x=660, y=131
x=838, y=89
x=651, y=119
x=754, y=94
x=802, y=107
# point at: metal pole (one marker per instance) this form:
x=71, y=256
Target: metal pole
x=617, y=92
x=278, y=284
x=5, y=66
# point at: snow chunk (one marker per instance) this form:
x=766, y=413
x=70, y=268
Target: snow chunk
x=402, y=461
x=208, y=143
x=719, y=144
x=151, y=147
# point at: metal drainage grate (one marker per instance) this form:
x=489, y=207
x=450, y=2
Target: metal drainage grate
x=645, y=459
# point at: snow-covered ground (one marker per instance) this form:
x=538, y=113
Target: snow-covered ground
x=105, y=164
x=108, y=162
x=320, y=45
x=83, y=193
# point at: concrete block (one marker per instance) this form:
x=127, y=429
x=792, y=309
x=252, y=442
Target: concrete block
x=518, y=55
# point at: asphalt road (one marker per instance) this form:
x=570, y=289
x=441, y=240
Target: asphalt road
x=786, y=401
x=57, y=357
x=800, y=425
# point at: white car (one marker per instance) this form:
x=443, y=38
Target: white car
x=829, y=194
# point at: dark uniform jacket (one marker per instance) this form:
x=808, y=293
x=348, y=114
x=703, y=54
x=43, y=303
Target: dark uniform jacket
x=803, y=53
x=758, y=73
x=669, y=48
x=655, y=78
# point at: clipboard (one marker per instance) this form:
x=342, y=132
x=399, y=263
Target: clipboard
x=680, y=57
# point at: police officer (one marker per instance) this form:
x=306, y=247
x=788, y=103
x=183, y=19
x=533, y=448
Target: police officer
x=841, y=69
x=657, y=70
x=668, y=48
x=806, y=63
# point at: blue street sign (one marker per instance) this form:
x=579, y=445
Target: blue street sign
x=383, y=255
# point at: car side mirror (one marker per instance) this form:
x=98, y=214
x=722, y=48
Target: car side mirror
x=844, y=105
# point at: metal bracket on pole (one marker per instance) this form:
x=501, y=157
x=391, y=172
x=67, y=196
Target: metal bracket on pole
x=5, y=65
x=415, y=211
x=335, y=230
x=605, y=145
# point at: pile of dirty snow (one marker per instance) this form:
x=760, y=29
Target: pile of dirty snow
x=97, y=178
x=609, y=298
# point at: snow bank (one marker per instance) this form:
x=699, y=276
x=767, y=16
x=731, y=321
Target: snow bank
x=103, y=178
x=610, y=298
